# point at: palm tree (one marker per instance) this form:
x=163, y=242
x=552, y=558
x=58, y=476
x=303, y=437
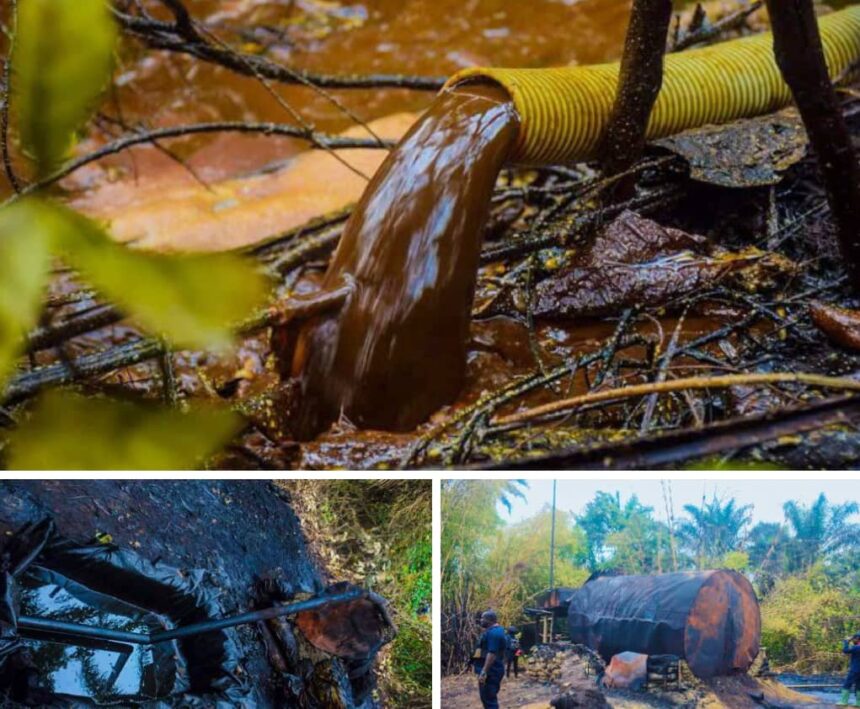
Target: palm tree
x=714, y=528
x=819, y=531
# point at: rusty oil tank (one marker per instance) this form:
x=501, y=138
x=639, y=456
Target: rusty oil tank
x=711, y=619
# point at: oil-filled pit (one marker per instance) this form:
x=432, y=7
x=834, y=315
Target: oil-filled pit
x=711, y=619
x=183, y=594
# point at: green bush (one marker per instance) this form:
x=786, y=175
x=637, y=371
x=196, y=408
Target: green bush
x=804, y=619
x=411, y=663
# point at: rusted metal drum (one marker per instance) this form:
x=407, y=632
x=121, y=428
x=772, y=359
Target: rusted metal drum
x=711, y=619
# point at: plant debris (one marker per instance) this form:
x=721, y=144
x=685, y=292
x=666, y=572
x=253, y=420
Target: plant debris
x=747, y=153
x=635, y=260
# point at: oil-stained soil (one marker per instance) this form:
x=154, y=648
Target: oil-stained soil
x=461, y=691
x=739, y=274
x=237, y=532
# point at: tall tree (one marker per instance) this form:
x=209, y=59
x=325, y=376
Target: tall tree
x=819, y=530
x=604, y=516
x=714, y=528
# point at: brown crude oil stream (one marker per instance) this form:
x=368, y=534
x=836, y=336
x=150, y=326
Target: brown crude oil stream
x=396, y=350
x=423, y=37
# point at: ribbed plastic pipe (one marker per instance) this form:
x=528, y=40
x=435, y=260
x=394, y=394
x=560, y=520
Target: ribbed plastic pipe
x=564, y=111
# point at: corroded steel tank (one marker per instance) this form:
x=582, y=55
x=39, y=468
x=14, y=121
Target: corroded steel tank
x=711, y=619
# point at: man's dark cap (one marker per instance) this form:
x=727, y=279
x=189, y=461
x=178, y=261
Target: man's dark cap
x=490, y=615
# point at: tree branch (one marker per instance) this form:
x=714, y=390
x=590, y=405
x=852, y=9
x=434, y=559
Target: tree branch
x=800, y=56
x=320, y=139
x=162, y=35
x=710, y=32
x=4, y=107
x=639, y=82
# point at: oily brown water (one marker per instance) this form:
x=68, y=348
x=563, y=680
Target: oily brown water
x=407, y=265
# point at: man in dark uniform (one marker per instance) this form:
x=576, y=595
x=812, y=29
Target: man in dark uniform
x=514, y=652
x=851, y=646
x=489, y=662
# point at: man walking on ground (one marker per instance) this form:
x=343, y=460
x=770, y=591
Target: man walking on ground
x=490, y=663
x=851, y=646
x=514, y=653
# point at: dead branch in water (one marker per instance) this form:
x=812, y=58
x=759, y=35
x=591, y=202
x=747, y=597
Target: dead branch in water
x=800, y=56
x=639, y=81
x=91, y=319
x=81, y=368
x=170, y=37
x=569, y=225
x=676, y=447
x=658, y=387
x=328, y=142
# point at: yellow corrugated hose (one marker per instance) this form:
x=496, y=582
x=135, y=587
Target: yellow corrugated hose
x=563, y=111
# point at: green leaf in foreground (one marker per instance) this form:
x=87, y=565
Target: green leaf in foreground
x=67, y=431
x=24, y=263
x=193, y=300
x=62, y=59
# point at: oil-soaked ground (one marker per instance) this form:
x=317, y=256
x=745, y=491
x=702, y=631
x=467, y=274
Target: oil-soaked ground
x=236, y=531
x=522, y=692
x=742, y=296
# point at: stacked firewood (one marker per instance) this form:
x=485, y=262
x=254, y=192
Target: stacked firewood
x=543, y=663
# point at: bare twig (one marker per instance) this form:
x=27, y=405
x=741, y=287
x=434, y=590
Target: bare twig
x=567, y=228
x=29, y=383
x=160, y=35
x=78, y=324
x=279, y=129
x=678, y=447
x=270, y=248
x=168, y=377
x=710, y=32
x=662, y=373
x=718, y=382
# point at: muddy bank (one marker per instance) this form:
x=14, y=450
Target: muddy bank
x=461, y=692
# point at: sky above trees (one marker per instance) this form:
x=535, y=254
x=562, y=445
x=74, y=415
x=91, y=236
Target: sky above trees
x=766, y=497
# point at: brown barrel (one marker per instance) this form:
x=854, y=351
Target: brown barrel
x=711, y=619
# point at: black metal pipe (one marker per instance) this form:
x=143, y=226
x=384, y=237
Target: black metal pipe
x=81, y=631
x=255, y=616
x=93, y=631
x=64, y=639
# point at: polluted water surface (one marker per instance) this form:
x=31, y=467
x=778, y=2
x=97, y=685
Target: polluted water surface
x=103, y=671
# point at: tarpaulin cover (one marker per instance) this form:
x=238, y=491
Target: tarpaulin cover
x=627, y=670
x=709, y=618
x=117, y=581
x=553, y=598
x=246, y=537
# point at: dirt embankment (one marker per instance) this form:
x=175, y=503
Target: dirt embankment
x=461, y=692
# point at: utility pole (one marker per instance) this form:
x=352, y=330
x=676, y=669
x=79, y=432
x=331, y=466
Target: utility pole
x=552, y=544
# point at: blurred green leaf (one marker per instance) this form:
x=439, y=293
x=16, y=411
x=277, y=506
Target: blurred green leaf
x=70, y=432
x=24, y=262
x=62, y=59
x=191, y=299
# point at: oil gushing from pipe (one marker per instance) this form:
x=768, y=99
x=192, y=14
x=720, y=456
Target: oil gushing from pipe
x=387, y=345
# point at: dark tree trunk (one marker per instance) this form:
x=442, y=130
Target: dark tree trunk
x=639, y=82
x=800, y=56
